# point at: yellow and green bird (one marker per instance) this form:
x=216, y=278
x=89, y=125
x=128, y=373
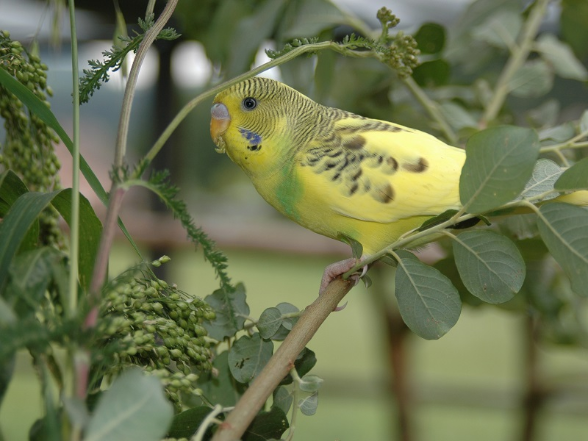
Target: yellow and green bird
x=334, y=172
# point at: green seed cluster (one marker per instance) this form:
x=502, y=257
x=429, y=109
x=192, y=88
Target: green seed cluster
x=159, y=328
x=28, y=149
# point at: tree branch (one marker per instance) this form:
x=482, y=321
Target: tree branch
x=282, y=361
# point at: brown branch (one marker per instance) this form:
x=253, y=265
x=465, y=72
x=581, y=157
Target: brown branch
x=535, y=394
x=400, y=386
x=281, y=362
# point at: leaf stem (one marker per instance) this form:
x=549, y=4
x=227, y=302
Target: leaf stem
x=516, y=60
x=571, y=143
x=208, y=420
x=432, y=108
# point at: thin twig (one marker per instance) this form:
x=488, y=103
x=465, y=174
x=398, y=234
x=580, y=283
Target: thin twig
x=121, y=142
x=517, y=59
x=431, y=108
x=281, y=362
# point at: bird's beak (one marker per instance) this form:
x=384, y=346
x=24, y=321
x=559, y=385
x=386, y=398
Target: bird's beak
x=219, y=123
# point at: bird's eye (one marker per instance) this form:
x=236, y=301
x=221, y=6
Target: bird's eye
x=249, y=103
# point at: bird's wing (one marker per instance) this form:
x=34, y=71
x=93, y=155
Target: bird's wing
x=381, y=172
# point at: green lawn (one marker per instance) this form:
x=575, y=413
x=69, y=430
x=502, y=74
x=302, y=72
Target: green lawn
x=466, y=382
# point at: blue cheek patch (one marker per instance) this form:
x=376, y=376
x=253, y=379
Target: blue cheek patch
x=250, y=136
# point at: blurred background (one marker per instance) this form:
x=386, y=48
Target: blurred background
x=497, y=375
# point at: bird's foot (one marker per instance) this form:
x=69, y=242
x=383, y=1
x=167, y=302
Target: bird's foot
x=339, y=268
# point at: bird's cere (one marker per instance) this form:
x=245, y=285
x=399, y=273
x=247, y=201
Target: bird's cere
x=219, y=123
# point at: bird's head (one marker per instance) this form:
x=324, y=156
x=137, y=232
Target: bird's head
x=256, y=123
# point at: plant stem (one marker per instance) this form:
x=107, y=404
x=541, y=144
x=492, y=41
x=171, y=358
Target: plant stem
x=75, y=194
x=431, y=107
x=127, y=104
x=74, y=242
x=516, y=60
x=535, y=395
x=282, y=361
x=208, y=420
x=115, y=201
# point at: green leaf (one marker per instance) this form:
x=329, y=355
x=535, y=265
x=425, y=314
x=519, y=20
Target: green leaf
x=561, y=58
x=439, y=219
x=533, y=79
x=287, y=323
x=557, y=134
x=269, y=322
x=267, y=426
x=231, y=309
x=186, y=423
x=7, y=315
x=309, y=404
x=489, y=265
x=572, y=20
x=23, y=214
x=305, y=361
x=432, y=73
x=30, y=274
x=248, y=356
x=313, y=16
x=457, y=116
x=574, y=178
x=285, y=309
x=90, y=232
x=499, y=162
x=544, y=115
x=282, y=398
x=310, y=383
x=563, y=229
x=500, y=29
x=356, y=247
x=243, y=50
x=11, y=187
x=15, y=225
x=542, y=180
x=428, y=302
x=430, y=38
x=220, y=388
x=134, y=407
x=448, y=268
x=584, y=122
x=6, y=371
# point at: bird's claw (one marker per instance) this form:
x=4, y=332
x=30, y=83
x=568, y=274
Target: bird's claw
x=337, y=269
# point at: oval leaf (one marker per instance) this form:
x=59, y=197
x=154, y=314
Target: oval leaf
x=544, y=175
x=309, y=404
x=574, y=178
x=499, y=162
x=269, y=322
x=563, y=228
x=561, y=57
x=133, y=408
x=231, y=309
x=267, y=426
x=428, y=302
x=533, y=79
x=489, y=265
x=248, y=356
